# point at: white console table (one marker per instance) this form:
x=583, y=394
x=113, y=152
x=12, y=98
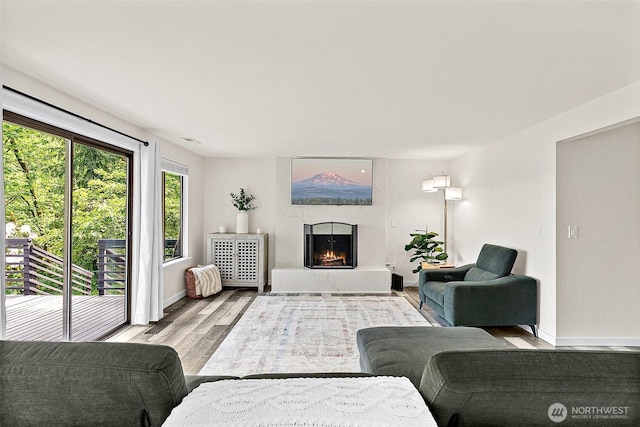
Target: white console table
x=241, y=258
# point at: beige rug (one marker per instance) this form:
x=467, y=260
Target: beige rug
x=314, y=333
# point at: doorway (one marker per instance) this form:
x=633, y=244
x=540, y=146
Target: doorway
x=67, y=204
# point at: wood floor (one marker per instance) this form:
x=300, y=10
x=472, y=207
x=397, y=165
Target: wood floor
x=195, y=328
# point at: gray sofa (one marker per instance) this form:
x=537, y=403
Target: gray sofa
x=469, y=378
x=95, y=383
x=482, y=294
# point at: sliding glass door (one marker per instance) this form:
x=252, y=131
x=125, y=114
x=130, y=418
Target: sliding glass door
x=67, y=253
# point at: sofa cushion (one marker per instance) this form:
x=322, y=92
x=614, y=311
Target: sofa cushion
x=496, y=259
x=405, y=350
x=88, y=383
x=503, y=387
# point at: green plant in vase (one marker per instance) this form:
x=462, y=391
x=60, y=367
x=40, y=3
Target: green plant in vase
x=243, y=201
x=424, y=247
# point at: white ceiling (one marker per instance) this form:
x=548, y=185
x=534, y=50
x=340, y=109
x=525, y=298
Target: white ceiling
x=396, y=79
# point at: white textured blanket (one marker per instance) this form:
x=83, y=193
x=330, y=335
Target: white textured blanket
x=207, y=280
x=326, y=402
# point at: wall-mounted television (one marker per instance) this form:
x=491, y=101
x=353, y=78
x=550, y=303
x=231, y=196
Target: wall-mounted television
x=331, y=181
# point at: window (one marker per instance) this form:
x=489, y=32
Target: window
x=173, y=203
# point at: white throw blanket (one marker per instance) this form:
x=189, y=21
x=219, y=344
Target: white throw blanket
x=207, y=280
x=326, y=402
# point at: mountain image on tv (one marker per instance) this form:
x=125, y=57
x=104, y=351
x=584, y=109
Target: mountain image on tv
x=328, y=188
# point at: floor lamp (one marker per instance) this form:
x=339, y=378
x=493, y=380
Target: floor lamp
x=442, y=182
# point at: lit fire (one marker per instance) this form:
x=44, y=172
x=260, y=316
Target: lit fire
x=332, y=258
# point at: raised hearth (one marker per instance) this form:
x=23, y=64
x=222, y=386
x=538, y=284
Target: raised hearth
x=376, y=280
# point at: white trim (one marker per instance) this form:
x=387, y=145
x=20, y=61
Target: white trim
x=175, y=167
x=597, y=342
x=3, y=297
x=603, y=129
x=177, y=297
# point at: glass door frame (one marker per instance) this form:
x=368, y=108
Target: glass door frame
x=73, y=138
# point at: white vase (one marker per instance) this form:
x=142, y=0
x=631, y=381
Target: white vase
x=242, y=222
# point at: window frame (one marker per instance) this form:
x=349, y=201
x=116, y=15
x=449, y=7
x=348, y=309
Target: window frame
x=182, y=171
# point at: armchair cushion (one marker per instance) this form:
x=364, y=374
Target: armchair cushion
x=495, y=259
x=476, y=274
x=436, y=291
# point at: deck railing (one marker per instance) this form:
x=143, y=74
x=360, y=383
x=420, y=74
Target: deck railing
x=34, y=271
x=112, y=266
x=31, y=270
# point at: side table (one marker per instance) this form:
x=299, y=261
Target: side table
x=429, y=265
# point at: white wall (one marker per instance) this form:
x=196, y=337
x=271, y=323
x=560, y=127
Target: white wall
x=397, y=196
x=599, y=193
x=409, y=209
x=173, y=272
x=290, y=220
x=227, y=175
x=510, y=192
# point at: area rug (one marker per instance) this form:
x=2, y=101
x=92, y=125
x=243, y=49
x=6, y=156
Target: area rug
x=314, y=333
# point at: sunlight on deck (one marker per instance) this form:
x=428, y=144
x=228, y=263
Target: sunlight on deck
x=38, y=317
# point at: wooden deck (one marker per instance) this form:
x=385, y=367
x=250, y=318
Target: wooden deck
x=39, y=317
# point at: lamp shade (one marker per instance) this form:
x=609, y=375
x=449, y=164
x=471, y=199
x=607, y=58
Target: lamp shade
x=441, y=181
x=427, y=186
x=453, y=193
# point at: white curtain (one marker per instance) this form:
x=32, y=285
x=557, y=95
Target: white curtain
x=147, y=286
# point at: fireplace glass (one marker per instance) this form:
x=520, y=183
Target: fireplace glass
x=330, y=245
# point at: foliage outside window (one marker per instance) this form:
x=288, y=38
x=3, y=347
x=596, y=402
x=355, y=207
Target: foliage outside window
x=34, y=171
x=172, y=214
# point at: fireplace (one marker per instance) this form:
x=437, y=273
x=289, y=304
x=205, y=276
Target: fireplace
x=330, y=245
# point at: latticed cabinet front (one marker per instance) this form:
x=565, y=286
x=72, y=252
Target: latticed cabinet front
x=241, y=258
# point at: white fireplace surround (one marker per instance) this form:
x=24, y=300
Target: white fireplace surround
x=289, y=275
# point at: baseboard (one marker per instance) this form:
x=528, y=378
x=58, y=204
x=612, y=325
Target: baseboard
x=177, y=297
x=544, y=336
x=597, y=342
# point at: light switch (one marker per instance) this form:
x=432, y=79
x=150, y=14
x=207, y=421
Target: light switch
x=539, y=232
x=394, y=223
x=573, y=232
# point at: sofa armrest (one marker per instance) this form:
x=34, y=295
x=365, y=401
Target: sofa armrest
x=517, y=386
x=88, y=383
x=509, y=300
x=443, y=274
x=440, y=275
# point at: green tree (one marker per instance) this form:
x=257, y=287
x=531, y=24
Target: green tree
x=172, y=213
x=99, y=204
x=34, y=165
x=34, y=183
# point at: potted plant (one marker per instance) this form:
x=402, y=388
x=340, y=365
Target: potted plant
x=425, y=248
x=244, y=203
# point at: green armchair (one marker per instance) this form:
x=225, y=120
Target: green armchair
x=482, y=294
